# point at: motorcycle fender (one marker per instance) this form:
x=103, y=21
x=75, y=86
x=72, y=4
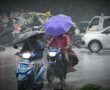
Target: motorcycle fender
x=22, y=77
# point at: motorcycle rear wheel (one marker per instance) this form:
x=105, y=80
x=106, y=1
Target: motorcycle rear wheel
x=21, y=85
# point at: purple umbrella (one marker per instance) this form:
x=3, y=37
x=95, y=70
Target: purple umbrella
x=58, y=24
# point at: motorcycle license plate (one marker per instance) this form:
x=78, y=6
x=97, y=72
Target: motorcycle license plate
x=23, y=66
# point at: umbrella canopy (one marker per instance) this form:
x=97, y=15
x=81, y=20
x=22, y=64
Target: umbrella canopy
x=24, y=36
x=58, y=24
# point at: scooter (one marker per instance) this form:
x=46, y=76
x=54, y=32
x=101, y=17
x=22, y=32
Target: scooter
x=28, y=76
x=56, y=65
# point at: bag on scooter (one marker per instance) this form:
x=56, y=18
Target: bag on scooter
x=73, y=59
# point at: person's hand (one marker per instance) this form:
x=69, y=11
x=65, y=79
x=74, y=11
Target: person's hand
x=47, y=46
x=17, y=53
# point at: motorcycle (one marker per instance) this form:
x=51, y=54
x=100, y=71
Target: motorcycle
x=56, y=65
x=28, y=75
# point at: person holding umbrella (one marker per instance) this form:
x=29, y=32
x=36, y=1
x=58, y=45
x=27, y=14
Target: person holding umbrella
x=31, y=43
x=57, y=26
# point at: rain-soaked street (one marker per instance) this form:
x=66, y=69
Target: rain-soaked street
x=92, y=68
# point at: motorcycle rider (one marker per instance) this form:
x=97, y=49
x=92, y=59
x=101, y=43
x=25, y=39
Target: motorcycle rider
x=62, y=41
x=33, y=45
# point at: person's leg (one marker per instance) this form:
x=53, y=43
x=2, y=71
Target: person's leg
x=36, y=62
x=66, y=56
x=17, y=58
x=44, y=58
x=66, y=62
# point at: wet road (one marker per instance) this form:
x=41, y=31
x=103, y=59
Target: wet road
x=92, y=68
x=7, y=70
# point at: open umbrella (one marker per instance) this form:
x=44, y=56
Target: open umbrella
x=24, y=36
x=58, y=24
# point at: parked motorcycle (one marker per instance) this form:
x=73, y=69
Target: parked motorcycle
x=57, y=65
x=28, y=75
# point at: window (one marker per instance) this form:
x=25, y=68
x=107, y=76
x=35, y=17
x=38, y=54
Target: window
x=95, y=21
x=107, y=31
x=106, y=23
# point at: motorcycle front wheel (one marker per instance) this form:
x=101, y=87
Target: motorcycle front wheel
x=38, y=86
x=21, y=85
x=50, y=74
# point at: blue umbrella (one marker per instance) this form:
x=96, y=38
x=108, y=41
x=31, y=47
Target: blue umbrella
x=58, y=24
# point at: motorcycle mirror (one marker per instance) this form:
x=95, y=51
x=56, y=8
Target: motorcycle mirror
x=15, y=46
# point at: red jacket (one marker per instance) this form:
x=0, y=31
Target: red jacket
x=60, y=42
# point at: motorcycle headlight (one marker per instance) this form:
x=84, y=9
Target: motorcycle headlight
x=26, y=55
x=52, y=54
